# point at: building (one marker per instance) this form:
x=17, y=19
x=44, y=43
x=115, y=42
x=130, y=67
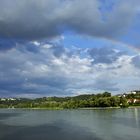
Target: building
x=3, y=99
x=133, y=101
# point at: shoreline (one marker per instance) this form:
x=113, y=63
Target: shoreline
x=92, y=108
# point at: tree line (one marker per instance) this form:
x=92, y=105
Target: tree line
x=82, y=101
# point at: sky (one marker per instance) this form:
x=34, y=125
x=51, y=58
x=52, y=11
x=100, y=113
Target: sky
x=69, y=47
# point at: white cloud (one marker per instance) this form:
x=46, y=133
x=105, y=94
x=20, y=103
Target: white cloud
x=47, y=73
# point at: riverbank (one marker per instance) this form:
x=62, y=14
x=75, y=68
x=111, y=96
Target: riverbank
x=88, y=108
x=134, y=106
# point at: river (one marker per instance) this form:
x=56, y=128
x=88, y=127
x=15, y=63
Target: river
x=110, y=124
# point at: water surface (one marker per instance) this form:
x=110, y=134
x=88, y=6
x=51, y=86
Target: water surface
x=112, y=124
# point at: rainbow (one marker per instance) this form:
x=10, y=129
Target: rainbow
x=131, y=47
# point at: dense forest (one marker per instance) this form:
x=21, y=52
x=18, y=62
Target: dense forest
x=82, y=101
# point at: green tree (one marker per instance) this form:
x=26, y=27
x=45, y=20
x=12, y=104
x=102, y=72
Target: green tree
x=123, y=102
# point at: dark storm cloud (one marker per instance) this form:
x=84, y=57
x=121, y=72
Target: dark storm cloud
x=34, y=19
x=28, y=18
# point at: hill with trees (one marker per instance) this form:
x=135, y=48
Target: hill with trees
x=81, y=101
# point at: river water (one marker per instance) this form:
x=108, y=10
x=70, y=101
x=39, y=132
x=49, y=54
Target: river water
x=111, y=124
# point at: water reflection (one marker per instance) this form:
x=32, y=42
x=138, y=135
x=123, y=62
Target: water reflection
x=54, y=131
x=70, y=124
x=136, y=117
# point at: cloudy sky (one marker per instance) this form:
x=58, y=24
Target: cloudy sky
x=69, y=47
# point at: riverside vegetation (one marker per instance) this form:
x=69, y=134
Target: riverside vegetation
x=82, y=101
